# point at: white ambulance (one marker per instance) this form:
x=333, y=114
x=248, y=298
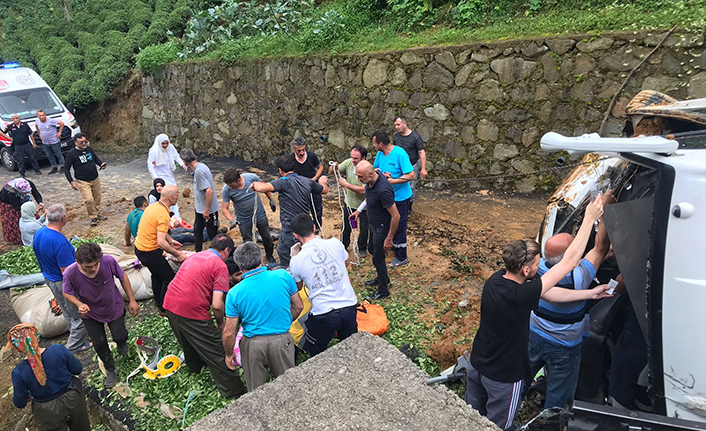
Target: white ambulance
x=24, y=92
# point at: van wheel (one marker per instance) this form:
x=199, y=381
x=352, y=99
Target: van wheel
x=8, y=160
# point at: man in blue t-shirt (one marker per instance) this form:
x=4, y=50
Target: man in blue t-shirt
x=55, y=253
x=133, y=219
x=394, y=163
x=237, y=190
x=557, y=329
x=265, y=303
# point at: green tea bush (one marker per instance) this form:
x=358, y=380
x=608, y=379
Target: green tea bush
x=154, y=57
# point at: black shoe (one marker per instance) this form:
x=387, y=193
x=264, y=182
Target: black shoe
x=94, y=222
x=379, y=294
x=23, y=175
x=101, y=217
x=54, y=171
x=122, y=349
x=373, y=282
x=111, y=379
x=38, y=172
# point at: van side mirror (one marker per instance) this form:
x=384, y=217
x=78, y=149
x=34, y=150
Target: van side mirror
x=70, y=107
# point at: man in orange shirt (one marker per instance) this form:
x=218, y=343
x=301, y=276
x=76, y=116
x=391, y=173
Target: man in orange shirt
x=153, y=240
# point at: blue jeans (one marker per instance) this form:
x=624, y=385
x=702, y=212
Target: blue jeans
x=53, y=151
x=562, y=369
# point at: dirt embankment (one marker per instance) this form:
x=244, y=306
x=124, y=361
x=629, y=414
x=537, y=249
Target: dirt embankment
x=116, y=122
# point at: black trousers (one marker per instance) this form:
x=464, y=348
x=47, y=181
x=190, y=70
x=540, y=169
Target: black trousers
x=19, y=154
x=96, y=330
x=211, y=228
x=162, y=273
x=362, y=229
x=321, y=329
x=263, y=226
x=317, y=209
x=377, y=249
x=203, y=346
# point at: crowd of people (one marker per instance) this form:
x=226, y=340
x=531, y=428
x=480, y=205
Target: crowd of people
x=225, y=298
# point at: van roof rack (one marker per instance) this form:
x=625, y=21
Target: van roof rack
x=594, y=143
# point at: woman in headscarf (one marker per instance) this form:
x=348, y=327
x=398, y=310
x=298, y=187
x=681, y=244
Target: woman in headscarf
x=156, y=193
x=163, y=159
x=47, y=376
x=16, y=192
x=29, y=223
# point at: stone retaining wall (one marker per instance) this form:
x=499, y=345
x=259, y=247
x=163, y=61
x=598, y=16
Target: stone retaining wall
x=480, y=109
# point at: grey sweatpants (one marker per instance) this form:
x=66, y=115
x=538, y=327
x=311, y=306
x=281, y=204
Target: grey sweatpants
x=498, y=401
x=260, y=352
x=77, y=332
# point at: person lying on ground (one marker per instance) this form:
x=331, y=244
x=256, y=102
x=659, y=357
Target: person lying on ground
x=46, y=376
x=89, y=284
x=499, y=358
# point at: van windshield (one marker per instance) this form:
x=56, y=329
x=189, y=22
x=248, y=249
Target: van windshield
x=26, y=103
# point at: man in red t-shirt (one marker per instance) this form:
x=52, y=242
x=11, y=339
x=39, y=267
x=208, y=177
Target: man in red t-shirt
x=201, y=285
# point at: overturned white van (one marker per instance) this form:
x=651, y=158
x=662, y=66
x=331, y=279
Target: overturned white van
x=24, y=92
x=658, y=233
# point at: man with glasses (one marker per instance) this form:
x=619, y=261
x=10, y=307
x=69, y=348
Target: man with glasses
x=21, y=135
x=87, y=182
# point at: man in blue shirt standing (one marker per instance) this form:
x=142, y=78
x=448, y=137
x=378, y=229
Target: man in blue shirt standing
x=265, y=303
x=55, y=253
x=394, y=163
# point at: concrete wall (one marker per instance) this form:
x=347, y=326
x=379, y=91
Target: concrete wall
x=481, y=109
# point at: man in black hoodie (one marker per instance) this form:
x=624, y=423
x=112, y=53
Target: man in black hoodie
x=84, y=160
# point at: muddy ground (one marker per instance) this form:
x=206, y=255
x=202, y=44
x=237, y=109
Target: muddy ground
x=455, y=243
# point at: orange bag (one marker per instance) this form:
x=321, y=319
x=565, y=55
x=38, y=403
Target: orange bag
x=372, y=318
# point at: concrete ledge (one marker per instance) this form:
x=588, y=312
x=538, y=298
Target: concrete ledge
x=362, y=383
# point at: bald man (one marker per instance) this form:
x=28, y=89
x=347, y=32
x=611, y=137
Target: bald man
x=383, y=219
x=153, y=240
x=557, y=329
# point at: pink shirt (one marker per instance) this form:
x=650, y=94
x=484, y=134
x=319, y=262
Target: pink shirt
x=190, y=294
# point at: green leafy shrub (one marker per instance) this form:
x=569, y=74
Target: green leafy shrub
x=411, y=15
x=153, y=58
x=325, y=31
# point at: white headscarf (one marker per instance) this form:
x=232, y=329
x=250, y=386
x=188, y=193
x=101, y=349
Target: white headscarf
x=161, y=155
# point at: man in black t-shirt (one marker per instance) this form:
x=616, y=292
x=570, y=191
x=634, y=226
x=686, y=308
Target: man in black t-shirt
x=412, y=143
x=500, y=359
x=383, y=219
x=307, y=164
x=21, y=135
x=295, y=193
x=84, y=160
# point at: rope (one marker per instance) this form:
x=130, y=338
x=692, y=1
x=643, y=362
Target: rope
x=337, y=175
x=254, y=218
x=192, y=394
x=316, y=219
x=501, y=176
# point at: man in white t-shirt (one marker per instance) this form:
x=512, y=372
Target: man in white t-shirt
x=321, y=265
